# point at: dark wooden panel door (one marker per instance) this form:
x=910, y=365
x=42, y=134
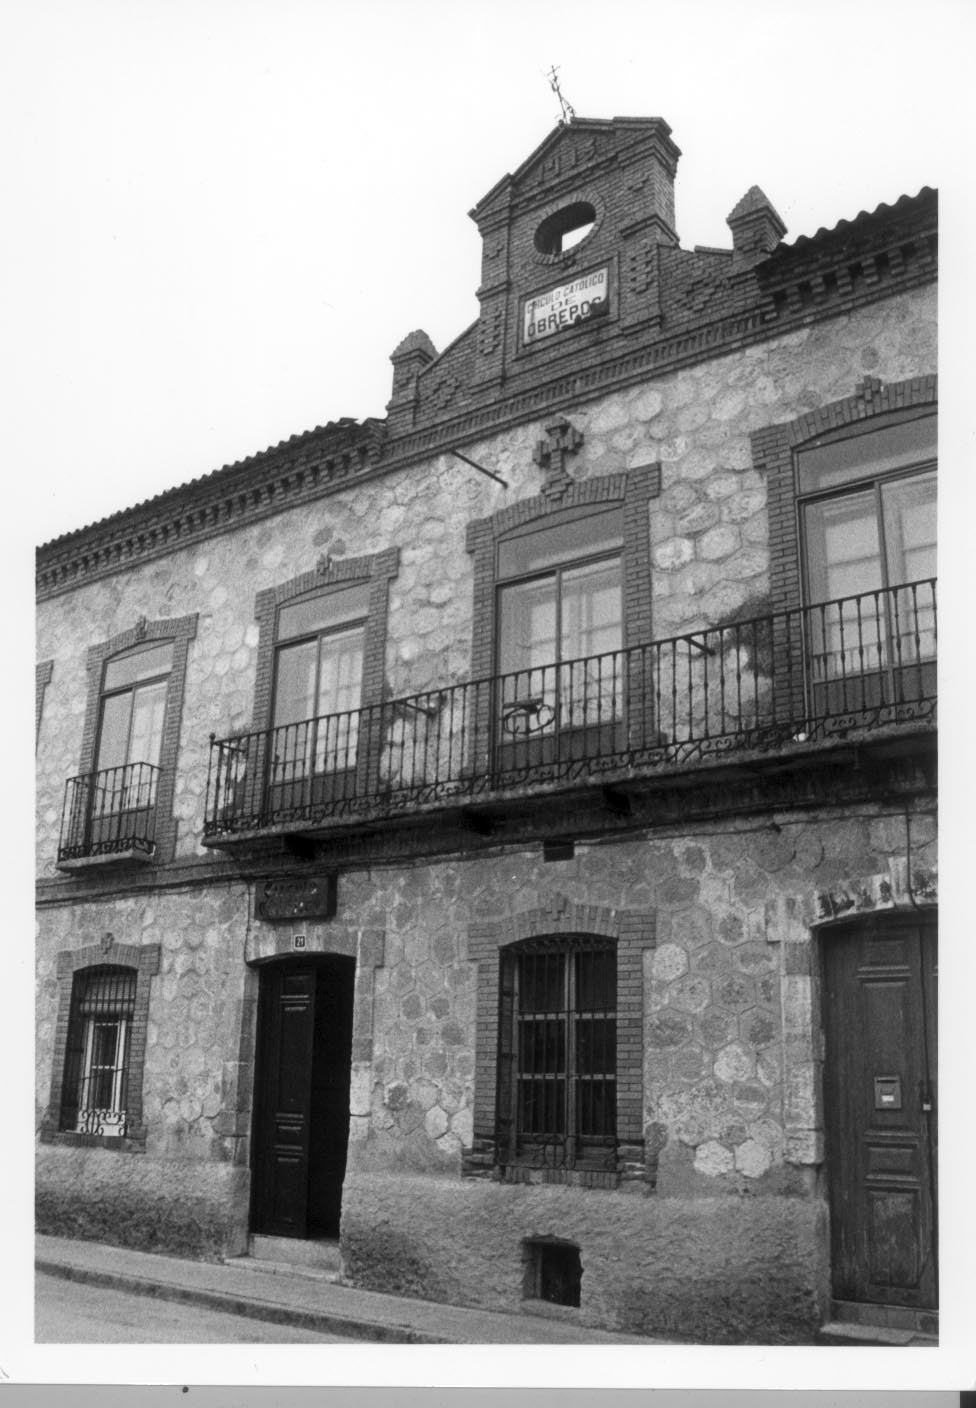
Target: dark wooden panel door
x=301, y=1130
x=330, y=1095
x=285, y=1046
x=879, y=1016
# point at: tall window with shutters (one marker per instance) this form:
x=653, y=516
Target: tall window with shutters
x=557, y=1062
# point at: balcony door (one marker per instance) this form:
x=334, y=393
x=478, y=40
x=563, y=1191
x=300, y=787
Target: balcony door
x=868, y=516
x=318, y=692
x=121, y=794
x=559, y=643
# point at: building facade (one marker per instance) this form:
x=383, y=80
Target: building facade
x=501, y=837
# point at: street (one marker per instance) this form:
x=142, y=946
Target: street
x=69, y=1312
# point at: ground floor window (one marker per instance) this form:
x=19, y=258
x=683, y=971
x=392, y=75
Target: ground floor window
x=557, y=1070
x=96, y=1079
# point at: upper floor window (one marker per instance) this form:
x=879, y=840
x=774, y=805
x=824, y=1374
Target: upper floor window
x=867, y=505
x=119, y=807
x=560, y=626
x=318, y=689
x=133, y=707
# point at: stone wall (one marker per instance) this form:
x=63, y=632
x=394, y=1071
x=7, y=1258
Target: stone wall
x=731, y=1080
x=708, y=529
x=737, y=1271
x=188, y=1190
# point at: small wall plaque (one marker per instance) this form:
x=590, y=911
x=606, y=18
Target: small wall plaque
x=296, y=897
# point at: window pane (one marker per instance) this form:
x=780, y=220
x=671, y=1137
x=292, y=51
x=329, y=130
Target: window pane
x=587, y=536
x=295, y=685
x=542, y=982
x=318, y=613
x=114, y=735
x=843, y=547
x=143, y=663
x=340, y=686
x=527, y=625
x=591, y=604
x=148, y=709
x=909, y=525
x=868, y=455
x=596, y=981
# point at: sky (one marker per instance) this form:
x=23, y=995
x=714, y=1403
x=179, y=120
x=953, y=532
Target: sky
x=224, y=215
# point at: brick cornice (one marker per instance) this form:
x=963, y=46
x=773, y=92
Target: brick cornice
x=859, y=263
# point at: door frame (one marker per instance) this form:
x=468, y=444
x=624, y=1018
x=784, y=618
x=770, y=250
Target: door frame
x=922, y=919
x=263, y=970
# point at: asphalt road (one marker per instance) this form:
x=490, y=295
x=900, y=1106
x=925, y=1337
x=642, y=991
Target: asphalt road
x=70, y=1312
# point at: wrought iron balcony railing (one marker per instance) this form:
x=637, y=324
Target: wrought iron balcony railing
x=109, y=813
x=788, y=677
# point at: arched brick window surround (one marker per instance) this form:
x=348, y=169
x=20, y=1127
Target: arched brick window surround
x=144, y=960
x=634, y=932
x=773, y=450
x=180, y=631
x=633, y=490
x=376, y=569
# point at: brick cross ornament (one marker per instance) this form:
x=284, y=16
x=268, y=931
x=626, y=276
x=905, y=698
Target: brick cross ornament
x=550, y=455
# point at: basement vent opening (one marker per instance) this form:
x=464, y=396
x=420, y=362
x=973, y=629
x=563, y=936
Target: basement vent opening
x=553, y=1271
x=558, y=850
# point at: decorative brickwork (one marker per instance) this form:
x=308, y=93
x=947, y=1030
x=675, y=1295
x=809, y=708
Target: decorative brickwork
x=144, y=960
x=42, y=678
x=181, y=632
x=634, y=933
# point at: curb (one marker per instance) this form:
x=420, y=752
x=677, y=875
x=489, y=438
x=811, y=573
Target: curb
x=253, y=1309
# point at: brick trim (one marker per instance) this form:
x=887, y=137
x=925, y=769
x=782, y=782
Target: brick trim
x=144, y=959
x=376, y=569
x=634, y=932
x=181, y=631
x=43, y=671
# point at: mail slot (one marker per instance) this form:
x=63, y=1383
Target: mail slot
x=887, y=1092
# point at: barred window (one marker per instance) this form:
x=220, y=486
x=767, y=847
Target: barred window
x=557, y=1105
x=96, y=1078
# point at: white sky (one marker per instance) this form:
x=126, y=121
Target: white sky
x=222, y=216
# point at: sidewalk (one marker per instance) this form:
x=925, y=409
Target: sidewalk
x=292, y=1298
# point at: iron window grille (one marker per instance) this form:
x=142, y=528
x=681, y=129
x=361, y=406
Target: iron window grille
x=95, y=1098
x=557, y=1056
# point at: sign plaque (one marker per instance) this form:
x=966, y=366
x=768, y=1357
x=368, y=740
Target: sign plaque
x=556, y=310
x=296, y=897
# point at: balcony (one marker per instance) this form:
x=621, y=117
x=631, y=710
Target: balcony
x=109, y=817
x=784, y=684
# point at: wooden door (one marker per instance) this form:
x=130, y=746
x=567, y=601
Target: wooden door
x=331, y=1067
x=302, y=1096
x=879, y=1014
